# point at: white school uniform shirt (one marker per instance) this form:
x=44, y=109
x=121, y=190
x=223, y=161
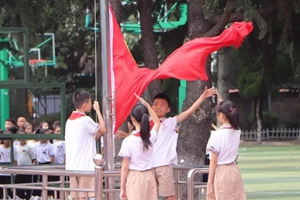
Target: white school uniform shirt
x=43, y=152
x=132, y=148
x=5, y=156
x=26, y=154
x=207, y=145
x=80, y=143
x=59, y=152
x=164, y=150
x=225, y=143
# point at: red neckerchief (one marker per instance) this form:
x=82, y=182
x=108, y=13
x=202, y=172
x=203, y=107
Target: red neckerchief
x=152, y=123
x=76, y=115
x=138, y=134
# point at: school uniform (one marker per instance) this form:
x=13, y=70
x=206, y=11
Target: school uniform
x=4, y=158
x=43, y=154
x=228, y=183
x=25, y=156
x=80, y=149
x=59, y=148
x=140, y=167
x=165, y=155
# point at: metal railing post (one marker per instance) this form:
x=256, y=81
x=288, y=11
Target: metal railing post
x=190, y=184
x=99, y=162
x=44, y=185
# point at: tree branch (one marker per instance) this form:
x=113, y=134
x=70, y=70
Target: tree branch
x=220, y=25
x=239, y=16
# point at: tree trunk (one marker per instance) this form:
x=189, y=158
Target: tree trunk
x=195, y=131
x=223, y=72
x=116, y=5
x=148, y=42
x=258, y=121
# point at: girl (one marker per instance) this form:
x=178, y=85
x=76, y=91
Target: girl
x=224, y=180
x=136, y=151
x=29, y=130
x=44, y=125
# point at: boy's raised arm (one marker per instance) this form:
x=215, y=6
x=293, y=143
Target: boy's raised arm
x=207, y=93
x=152, y=114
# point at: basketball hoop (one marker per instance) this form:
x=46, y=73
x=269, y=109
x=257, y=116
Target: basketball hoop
x=34, y=65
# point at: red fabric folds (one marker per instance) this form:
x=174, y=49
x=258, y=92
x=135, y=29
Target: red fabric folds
x=187, y=62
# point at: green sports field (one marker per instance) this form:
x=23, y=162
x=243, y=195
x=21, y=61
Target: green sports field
x=270, y=171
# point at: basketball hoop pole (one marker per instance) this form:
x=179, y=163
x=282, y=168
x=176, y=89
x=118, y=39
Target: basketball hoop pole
x=4, y=103
x=106, y=88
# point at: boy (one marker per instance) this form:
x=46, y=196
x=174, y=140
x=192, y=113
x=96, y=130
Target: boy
x=21, y=122
x=81, y=135
x=164, y=154
x=10, y=122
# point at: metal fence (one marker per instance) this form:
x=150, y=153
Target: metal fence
x=191, y=185
x=101, y=192
x=271, y=134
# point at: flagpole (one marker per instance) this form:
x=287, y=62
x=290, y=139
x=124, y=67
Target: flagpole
x=106, y=87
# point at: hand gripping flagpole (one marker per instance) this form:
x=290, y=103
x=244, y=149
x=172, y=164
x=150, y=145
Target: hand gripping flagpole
x=106, y=94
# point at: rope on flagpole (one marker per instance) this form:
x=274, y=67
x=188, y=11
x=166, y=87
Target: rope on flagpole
x=98, y=142
x=96, y=57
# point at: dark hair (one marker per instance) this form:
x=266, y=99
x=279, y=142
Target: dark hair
x=80, y=97
x=42, y=123
x=163, y=96
x=12, y=120
x=229, y=110
x=130, y=121
x=41, y=131
x=21, y=116
x=56, y=123
x=13, y=129
x=28, y=124
x=140, y=113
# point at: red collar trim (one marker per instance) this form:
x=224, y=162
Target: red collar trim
x=76, y=115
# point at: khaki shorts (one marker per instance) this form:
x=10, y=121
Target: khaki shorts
x=165, y=179
x=82, y=183
x=141, y=185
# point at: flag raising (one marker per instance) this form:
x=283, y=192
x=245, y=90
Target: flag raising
x=187, y=63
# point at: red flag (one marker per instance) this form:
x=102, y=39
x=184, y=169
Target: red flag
x=187, y=62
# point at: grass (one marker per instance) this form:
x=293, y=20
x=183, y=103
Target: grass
x=270, y=171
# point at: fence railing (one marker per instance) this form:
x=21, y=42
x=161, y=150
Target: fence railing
x=191, y=185
x=271, y=134
x=59, y=186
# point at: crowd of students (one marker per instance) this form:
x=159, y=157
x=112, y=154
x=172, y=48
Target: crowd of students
x=30, y=152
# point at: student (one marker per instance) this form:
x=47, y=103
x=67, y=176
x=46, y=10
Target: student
x=44, y=125
x=224, y=179
x=165, y=148
x=80, y=135
x=21, y=122
x=5, y=158
x=10, y=122
x=26, y=156
x=59, y=147
x=55, y=124
x=44, y=156
x=137, y=151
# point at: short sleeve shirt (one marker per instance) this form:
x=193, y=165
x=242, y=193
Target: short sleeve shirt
x=132, y=148
x=225, y=143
